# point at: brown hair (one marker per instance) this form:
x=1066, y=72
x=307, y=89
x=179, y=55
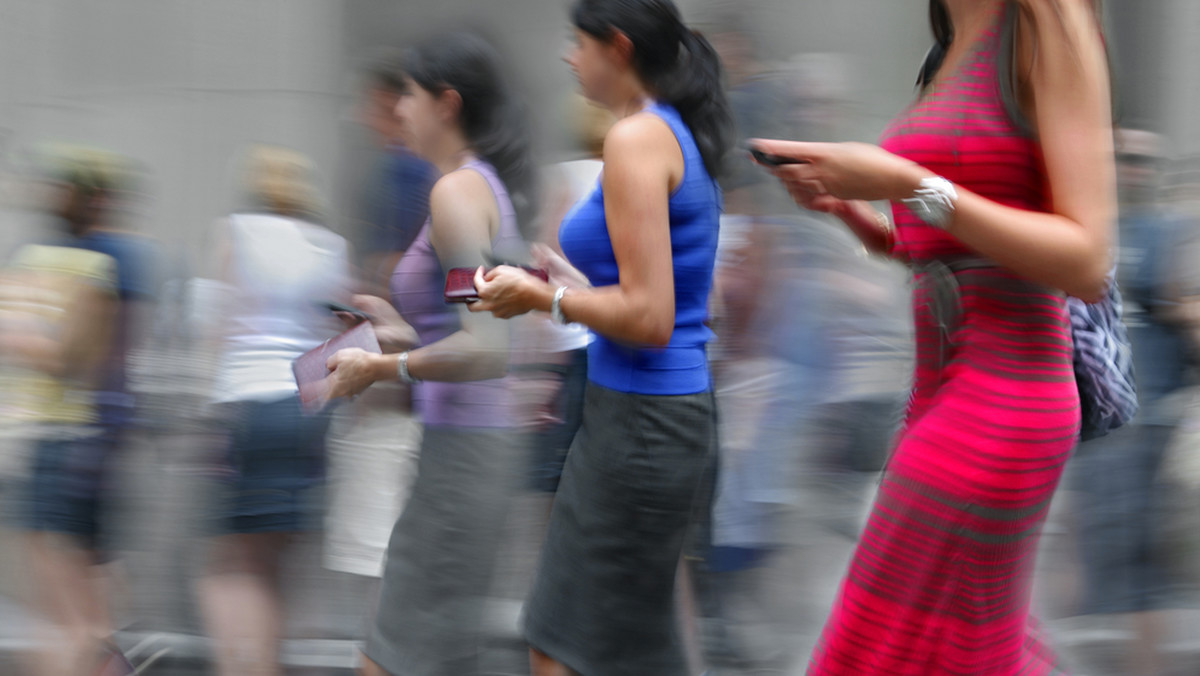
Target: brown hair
x=943, y=30
x=943, y=35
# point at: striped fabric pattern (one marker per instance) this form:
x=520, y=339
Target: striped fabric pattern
x=940, y=583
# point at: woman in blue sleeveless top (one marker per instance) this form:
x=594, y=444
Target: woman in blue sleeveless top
x=646, y=238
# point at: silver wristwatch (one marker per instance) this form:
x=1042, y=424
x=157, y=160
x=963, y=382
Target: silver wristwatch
x=934, y=202
x=402, y=369
x=556, y=313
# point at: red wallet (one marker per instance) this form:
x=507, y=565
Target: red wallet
x=460, y=283
x=312, y=376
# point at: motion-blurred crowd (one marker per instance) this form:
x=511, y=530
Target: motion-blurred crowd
x=122, y=374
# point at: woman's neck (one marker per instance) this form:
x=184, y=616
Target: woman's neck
x=970, y=17
x=451, y=153
x=632, y=100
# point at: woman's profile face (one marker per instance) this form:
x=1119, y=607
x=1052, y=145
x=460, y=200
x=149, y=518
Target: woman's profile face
x=594, y=64
x=417, y=117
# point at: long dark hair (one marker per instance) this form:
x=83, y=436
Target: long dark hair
x=943, y=30
x=943, y=36
x=939, y=21
x=677, y=64
x=492, y=119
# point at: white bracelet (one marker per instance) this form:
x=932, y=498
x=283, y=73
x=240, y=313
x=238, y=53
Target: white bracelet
x=934, y=201
x=402, y=370
x=556, y=313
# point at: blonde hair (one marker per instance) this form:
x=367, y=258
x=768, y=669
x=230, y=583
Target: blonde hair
x=90, y=169
x=281, y=180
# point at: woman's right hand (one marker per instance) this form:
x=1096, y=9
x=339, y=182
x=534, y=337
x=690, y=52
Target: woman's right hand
x=561, y=272
x=848, y=211
x=394, y=334
x=822, y=203
x=860, y=217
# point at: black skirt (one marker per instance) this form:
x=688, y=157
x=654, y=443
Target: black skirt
x=442, y=553
x=603, y=601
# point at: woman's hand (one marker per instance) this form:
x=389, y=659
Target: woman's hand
x=561, y=272
x=353, y=370
x=394, y=334
x=844, y=171
x=506, y=291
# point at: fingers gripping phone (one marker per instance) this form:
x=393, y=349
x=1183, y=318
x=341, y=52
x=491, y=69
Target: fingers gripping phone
x=771, y=160
x=460, y=283
x=335, y=307
x=460, y=286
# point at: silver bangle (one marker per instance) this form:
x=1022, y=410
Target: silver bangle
x=402, y=370
x=556, y=313
x=934, y=202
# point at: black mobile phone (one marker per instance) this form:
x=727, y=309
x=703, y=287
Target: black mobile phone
x=334, y=306
x=771, y=160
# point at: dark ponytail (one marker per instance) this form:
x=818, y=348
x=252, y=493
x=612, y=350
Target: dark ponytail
x=678, y=65
x=943, y=35
x=496, y=125
x=939, y=22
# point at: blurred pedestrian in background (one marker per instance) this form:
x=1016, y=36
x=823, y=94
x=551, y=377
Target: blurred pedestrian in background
x=458, y=113
x=564, y=350
x=281, y=267
x=62, y=327
x=393, y=204
x=374, y=441
x=646, y=237
x=762, y=107
x=741, y=528
x=779, y=465
x=971, y=167
x=1179, y=474
x=1122, y=505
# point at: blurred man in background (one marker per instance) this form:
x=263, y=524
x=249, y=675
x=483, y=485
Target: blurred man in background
x=373, y=441
x=395, y=201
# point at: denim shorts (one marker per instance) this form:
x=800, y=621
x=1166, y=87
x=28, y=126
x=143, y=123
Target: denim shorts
x=68, y=479
x=276, y=458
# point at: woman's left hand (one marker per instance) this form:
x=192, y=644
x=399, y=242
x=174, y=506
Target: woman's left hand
x=848, y=171
x=352, y=370
x=504, y=291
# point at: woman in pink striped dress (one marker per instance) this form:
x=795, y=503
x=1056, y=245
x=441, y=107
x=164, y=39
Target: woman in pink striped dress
x=1002, y=181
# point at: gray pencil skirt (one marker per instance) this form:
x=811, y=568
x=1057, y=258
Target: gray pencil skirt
x=603, y=602
x=442, y=553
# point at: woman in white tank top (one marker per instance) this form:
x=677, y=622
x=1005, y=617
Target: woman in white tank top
x=280, y=269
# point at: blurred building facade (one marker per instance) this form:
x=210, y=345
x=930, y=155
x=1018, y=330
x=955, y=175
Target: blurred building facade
x=181, y=86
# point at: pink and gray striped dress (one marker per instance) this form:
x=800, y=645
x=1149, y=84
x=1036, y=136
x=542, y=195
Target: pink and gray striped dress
x=940, y=582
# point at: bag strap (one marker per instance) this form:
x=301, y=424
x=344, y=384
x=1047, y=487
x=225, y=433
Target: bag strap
x=942, y=295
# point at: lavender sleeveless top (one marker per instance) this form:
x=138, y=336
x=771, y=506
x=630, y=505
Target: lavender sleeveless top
x=417, y=289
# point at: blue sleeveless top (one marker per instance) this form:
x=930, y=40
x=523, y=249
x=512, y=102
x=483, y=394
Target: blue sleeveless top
x=695, y=207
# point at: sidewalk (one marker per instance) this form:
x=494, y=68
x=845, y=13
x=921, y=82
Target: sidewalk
x=162, y=549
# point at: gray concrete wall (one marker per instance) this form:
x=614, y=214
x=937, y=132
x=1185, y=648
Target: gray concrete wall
x=1178, y=74
x=184, y=86
x=180, y=86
